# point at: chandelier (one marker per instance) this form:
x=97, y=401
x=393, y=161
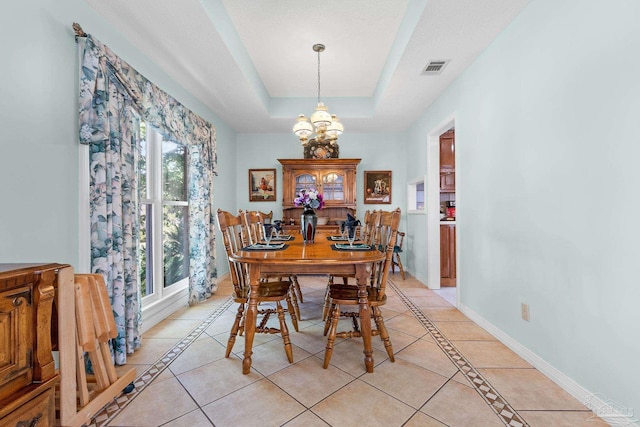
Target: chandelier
x=326, y=126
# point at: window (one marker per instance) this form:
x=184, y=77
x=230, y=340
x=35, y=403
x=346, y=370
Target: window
x=416, y=196
x=164, y=230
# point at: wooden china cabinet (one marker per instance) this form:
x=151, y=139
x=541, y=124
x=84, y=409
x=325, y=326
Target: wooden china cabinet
x=334, y=178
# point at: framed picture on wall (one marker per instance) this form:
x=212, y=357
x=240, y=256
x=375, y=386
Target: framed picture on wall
x=262, y=185
x=377, y=187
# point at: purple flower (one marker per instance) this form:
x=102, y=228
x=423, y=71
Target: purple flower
x=309, y=198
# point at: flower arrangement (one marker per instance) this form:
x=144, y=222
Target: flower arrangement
x=309, y=199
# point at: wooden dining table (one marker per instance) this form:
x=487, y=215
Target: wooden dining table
x=313, y=258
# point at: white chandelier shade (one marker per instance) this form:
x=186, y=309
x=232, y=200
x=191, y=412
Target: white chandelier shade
x=325, y=125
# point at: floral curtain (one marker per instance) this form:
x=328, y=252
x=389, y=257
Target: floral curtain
x=113, y=98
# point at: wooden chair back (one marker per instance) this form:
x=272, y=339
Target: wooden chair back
x=387, y=233
x=371, y=222
x=235, y=237
x=253, y=221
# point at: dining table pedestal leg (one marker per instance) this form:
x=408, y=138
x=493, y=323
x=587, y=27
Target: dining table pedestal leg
x=362, y=275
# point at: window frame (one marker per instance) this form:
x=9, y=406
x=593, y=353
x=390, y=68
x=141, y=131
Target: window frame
x=155, y=199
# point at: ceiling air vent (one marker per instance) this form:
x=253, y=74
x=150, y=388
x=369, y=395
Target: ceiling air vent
x=434, y=68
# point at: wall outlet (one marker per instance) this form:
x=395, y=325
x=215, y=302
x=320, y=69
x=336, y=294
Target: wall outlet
x=524, y=308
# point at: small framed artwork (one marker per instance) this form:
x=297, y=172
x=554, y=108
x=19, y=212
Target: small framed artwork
x=262, y=185
x=377, y=187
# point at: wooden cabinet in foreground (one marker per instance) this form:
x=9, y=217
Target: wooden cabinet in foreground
x=334, y=178
x=28, y=374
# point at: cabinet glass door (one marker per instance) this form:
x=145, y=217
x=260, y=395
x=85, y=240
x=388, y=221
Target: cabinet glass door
x=333, y=187
x=304, y=182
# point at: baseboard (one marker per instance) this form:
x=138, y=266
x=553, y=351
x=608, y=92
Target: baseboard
x=611, y=412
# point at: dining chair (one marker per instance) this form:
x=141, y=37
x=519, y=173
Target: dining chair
x=397, y=250
x=369, y=229
x=347, y=295
x=253, y=221
x=234, y=235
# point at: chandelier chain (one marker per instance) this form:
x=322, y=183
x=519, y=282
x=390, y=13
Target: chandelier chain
x=318, y=76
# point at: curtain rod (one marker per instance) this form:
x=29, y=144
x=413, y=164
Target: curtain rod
x=79, y=31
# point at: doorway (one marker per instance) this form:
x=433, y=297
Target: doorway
x=434, y=278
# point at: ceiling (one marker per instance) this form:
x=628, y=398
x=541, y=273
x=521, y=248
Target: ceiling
x=251, y=62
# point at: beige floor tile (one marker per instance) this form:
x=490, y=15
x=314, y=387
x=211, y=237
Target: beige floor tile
x=197, y=312
x=360, y=404
x=458, y=406
x=215, y=380
x=150, y=351
x=429, y=356
x=423, y=420
x=388, y=396
x=311, y=338
x=422, y=291
x=399, y=341
x=490, y=354
x=459, y=377
x=562, y=419
x=271, y=357
x=195, y=418
x=306, y=419
x=430, y=301
x=199, y=353
x=405, y=381
x=463, y=331
x=122, y=369
x=408, y=324
x=439, y=314
x=238, y=347
x=308, y=382
x=259, y=404
x=448, y=293
x=348, y=355
x=394, y=303
x=172, y=328
x=150, y=407
x=528, y=389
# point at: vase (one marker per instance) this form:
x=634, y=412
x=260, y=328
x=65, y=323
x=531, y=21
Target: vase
x=308, y=222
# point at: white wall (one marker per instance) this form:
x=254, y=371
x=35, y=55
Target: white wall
x=38, y=136
x=547, y=146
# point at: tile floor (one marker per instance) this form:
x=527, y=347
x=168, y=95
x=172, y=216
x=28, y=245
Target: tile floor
x=448, y=372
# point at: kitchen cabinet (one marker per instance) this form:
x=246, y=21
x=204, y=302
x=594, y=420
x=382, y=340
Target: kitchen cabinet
x=447, y=182
x=448, y=151
x=448, y=162
x=334, y=178
x=447, y=255
x=27, y=370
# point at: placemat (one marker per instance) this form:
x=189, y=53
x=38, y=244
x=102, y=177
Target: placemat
x=282, y=238
x=264, y=247
x=355, y=247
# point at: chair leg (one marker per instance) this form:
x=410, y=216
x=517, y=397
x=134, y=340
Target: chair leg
x=296, y=286
x=334, y=316
x=234, y=329
x=292, y=306
x=399, y=262
x=327, y=303
x=327, y=321
x=284, y=331
x=384, y=334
